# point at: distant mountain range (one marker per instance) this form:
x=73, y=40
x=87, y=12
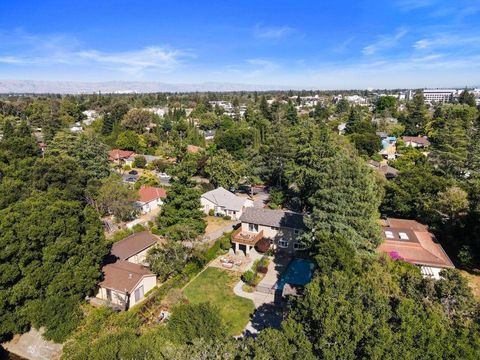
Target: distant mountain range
x=78, y=87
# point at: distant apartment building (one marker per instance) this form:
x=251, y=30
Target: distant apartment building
x=439, y=95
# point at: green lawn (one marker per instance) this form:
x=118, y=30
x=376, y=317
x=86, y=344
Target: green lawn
x=216, y=287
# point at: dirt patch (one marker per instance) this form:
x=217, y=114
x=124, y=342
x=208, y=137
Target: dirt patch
x=216, y=223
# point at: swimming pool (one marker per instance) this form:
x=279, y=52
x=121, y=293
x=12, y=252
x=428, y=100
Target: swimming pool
x=298, y=272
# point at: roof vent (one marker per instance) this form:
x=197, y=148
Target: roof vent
x=129, y=275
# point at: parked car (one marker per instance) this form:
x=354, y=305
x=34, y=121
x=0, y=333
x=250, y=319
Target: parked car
x=133, y=172
x=164, y=175
x=131, y=179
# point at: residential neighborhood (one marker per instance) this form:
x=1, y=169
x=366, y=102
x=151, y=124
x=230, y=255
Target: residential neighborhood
x=264, y=180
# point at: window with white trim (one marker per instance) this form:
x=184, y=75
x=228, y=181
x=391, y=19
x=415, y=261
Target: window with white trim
x=253, y=227
x=283, y=243
x=139, y=294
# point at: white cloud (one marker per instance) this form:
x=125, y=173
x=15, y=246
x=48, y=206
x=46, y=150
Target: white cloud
x=384, y=42
x=20, y=48
x=273, y=32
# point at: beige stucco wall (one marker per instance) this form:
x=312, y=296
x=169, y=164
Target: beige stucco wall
x=275, y=234
x=118, y=298
x=148, y=282
x=140, y=258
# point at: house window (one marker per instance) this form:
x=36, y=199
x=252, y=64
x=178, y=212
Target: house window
x=283, y=243
x=389, y=234
x=253, y=227
x=139, y=294
x=298, y=246
x=403, y=236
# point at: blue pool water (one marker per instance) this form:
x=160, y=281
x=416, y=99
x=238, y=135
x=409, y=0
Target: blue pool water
x=299, y=272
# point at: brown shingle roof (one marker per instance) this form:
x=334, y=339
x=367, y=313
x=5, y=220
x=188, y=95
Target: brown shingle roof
x=418, y=248
x=123, y=276
x=133, y=244
x=421, y=140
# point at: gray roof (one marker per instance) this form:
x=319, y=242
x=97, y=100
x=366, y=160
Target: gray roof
x=277, y=218
x=225, y=198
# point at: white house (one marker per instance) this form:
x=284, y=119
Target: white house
x=150, y=198
x=223, y=202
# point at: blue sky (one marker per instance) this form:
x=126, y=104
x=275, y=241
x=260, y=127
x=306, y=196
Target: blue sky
x=320, y=44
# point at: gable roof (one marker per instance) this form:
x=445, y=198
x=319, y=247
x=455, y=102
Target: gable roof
x=387, y=170
x=150, y=193
x=224, y=198
x=417, y=245
x=422, y=140
x=276, y=218
x=133, y=244
x=117, y=154
x=123, y=276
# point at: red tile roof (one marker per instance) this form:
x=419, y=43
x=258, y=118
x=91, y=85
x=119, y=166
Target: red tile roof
x=117, y=154
x=150, y=193
x=417, y=246
x=133, y=244
x=123, y=276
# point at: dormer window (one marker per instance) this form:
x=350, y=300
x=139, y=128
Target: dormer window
x=389, y=234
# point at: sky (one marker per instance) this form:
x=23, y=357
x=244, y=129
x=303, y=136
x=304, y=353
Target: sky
x=302, y=44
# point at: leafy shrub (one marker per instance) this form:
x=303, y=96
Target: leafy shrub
x=211, y=212
x=138, y=228
x=227, y=217
x=248, y=277
x=140, y=161
x=263, y=245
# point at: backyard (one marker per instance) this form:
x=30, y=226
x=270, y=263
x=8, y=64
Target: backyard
x=216, y=287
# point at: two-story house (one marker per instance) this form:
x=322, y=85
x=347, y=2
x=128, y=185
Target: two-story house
x=281, y=228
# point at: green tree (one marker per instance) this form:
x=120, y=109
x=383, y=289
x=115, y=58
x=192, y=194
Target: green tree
x=194, y=321
x=115, y=198
x=130, y=140
x=167, y=259
x=467, y=98
x=137, y=119
x=45, y=241
x=181, y=217
x=222, y=170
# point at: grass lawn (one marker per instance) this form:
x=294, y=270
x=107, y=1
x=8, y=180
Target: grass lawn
x=216, y=287
x=474, y=282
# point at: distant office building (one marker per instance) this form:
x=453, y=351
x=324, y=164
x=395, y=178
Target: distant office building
x=439, y=95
